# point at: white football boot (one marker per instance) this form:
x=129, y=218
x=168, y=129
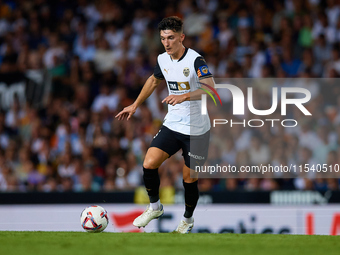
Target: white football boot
x=184, y=227
x=148, y=215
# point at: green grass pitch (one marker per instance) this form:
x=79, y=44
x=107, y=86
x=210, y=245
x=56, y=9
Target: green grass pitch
x=35, y=243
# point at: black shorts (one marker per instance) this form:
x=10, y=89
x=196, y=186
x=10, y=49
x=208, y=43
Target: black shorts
x=195, y=147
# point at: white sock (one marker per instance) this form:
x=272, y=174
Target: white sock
x=188, y=220
x=155, y=206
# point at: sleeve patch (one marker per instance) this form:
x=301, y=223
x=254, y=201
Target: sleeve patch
x=203, y=71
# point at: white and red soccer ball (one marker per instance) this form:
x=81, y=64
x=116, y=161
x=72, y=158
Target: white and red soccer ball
x=94, y=219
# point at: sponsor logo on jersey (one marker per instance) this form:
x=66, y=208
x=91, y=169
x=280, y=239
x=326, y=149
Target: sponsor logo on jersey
x=186, y=71
x=175, y=86
x=166, y=70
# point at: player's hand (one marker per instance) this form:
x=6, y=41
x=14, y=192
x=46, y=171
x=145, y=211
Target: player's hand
x=174, y=99
x=127, y=112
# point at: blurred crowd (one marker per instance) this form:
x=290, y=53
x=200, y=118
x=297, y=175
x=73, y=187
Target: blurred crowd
x=98, y=54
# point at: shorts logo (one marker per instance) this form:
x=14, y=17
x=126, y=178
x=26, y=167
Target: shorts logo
x=176, y=86
x=186, y=72
x=195, y=156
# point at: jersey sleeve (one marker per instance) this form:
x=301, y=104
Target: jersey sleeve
x=201, y=68
x=157, y=72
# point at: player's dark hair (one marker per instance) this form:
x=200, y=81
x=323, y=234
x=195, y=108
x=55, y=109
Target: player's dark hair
x=171, y=23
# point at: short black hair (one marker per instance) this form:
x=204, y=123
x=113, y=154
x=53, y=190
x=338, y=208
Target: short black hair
x=171, y=23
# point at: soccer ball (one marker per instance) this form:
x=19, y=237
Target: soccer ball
x=94, y=219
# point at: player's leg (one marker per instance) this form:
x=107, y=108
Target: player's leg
x=195, y=152
x=163, y=146
x=153, y=159
x=191, y=195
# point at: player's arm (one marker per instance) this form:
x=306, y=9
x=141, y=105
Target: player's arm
x=205, y=78
x=150, y=85
x=196, y=95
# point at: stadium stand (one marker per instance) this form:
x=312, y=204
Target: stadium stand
x=83, y=61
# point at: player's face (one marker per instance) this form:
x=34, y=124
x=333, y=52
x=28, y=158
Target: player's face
x=172, y=41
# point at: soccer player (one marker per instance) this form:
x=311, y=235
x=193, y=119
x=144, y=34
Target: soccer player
x=184, y=127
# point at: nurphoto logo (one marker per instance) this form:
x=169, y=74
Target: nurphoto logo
x=238, y=103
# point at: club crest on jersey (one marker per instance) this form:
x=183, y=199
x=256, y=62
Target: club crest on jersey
x=175, y=86
x=186, y=71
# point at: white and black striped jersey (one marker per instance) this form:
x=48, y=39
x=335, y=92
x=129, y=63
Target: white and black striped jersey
x=182, y=76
